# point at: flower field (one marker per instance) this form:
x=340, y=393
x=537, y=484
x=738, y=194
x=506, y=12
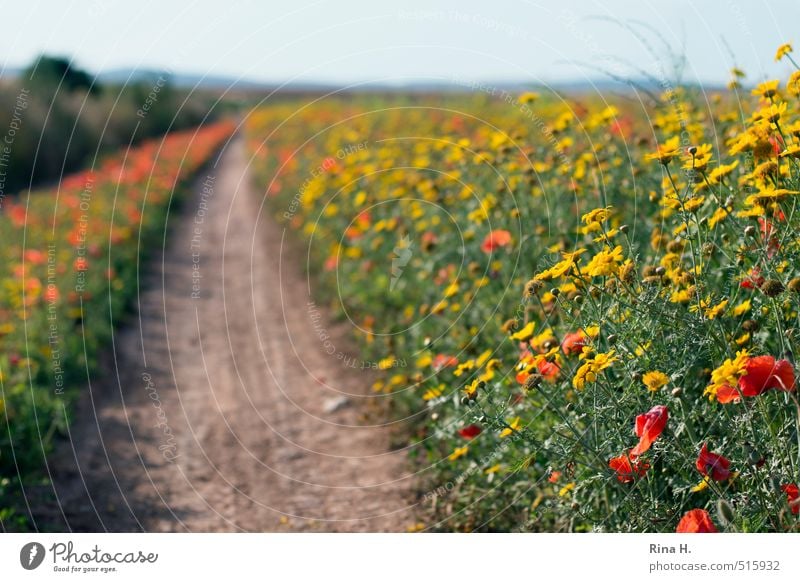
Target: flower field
x=588, y=308
x=69, y=272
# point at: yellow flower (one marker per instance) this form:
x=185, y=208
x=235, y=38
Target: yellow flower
x=665, y=152
x=702, y=486
x=742, y=308
x=513, y=426
x=591, y=367
x=793, y=84
x=727, y=374
x=565, y=490
x=525, y=333
x=432, y=393
x=655, y=380
x=458, y=452
x=597, y=216
x=605, y=263
x=782, y=51
x=767, y=89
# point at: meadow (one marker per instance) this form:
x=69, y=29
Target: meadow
x=585, y=307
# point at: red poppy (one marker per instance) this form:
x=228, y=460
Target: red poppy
x=470, y=432
x=442, y=361
x=792, y=497
x=574, y=343
x=627, y=470
x=648, y=428
x=753, y=279
x=495, y=240
x=712, y=465
x=549, y=370
x=696, y=521
x=763, y=373
x=554, y=476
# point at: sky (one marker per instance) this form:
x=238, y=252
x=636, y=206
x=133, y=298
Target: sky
x=352, y=41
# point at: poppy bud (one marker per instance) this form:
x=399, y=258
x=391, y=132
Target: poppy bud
x=794, y=285
x=729, y=201
x=772, y=288
x=725, y=511
x=750, y=230
x=611, y=339
x=624, y=229
x=555, y=292
x=549, y=344
x=677, y=392
x=750, y=325
x=661, y=271
x=435, y=416
x=692, y=150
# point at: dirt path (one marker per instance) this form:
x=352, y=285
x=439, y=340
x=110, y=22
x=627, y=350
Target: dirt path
x=222, y=411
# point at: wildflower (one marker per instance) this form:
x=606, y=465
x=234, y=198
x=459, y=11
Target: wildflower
x=767, y=89
x=525, y=333
x=595, y=218
x=712, y=465
x=696, y=521
x=649, y=427
x=626, y=469
x=591, y=367
x=782, y=51
x=666, y=152
x=763, y=373
x=495, y=240
x=753, y=279
x=792, y=497
x=698, y=158
x=442, y=361
x=750, y=377
x=458, y=453
x=561, y=268
x=574, y=342
x=793, y=84
x=513, y=426
x=727, y=375
x=654, y=380
x=470, y=432
x=605, y=263
x=471, y=390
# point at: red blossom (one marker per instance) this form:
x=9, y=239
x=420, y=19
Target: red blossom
x=470, y=432
x=648, y=428
x=753, y=279
x=626, y=469
x=792, y=497
x=696, y=521
x=712, y=465
x=495, y=240
x=574, y=343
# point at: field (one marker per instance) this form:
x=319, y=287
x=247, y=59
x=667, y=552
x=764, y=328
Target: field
x=585, y=308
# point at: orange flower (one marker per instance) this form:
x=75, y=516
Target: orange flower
x=762, y=373
x=792, y=497
x=574, y=343
x=696, y=521
x=648, y=428
x=627, y=470
x=712, y=465
x=495, y=240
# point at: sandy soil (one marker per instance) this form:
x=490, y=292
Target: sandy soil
x=220, y=409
